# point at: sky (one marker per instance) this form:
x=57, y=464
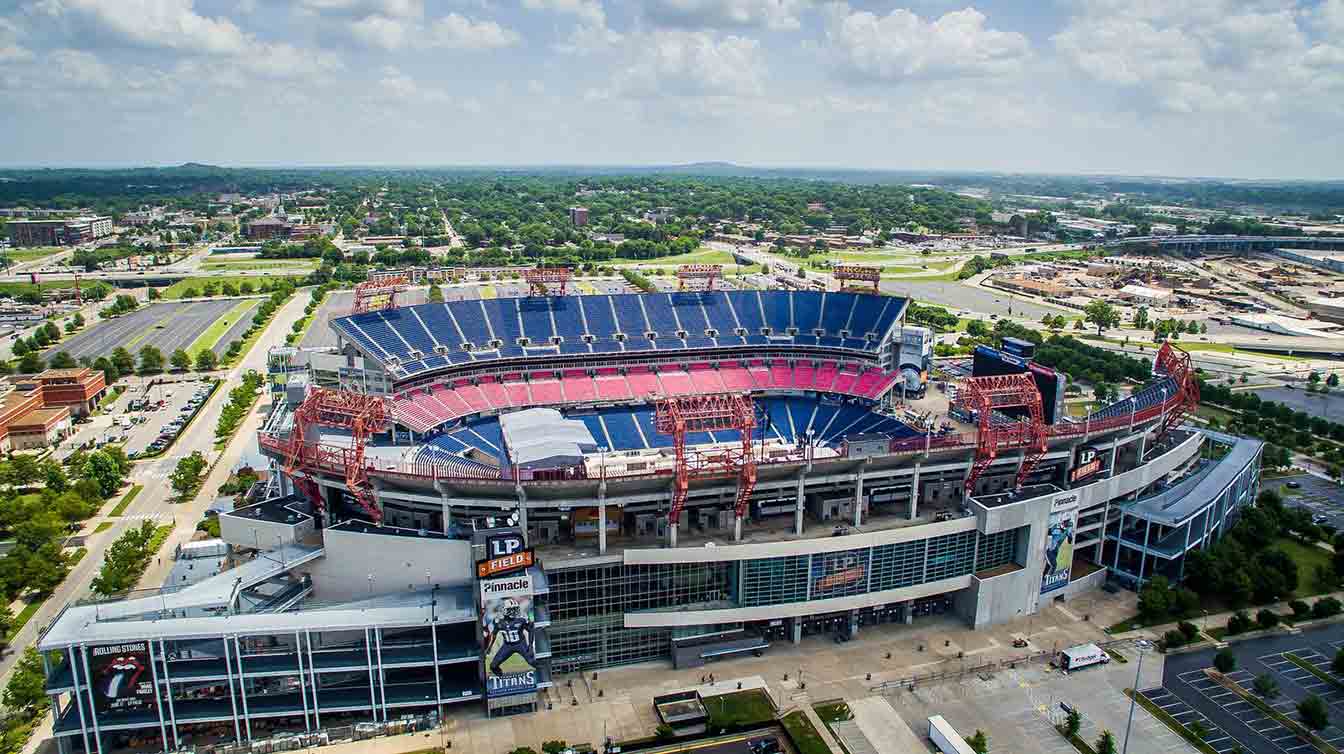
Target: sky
x=1232, y=88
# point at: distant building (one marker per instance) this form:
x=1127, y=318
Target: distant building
x=60, y=232
x=266, y=228
x=578, y=216
x=1326, y=260
x=1142, y=294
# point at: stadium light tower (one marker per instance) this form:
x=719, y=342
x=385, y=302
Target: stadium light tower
x=714, y=412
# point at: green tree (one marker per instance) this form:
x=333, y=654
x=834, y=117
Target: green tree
x=26, y=692
x=1105, y=743
x=1337, y=664
x=186, y=477
x=979, y=742
x=1314, y=713
x=1225, y=661
x=1265, y=686
x=181, y=360
x=123, y=360
x=1073, y=722
x=102, y=467
x=206, y=360
x=1101, y=315
x=63, y=360
x=554, y=746
x=151, y=360
x=1332, y=380
x=20, y=347
x=31, y=363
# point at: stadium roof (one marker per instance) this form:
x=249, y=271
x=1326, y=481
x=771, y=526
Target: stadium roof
x=543, y=438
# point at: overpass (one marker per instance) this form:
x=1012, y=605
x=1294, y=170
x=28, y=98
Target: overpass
x=1241, y=244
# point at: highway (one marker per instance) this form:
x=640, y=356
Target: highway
x=154, y=501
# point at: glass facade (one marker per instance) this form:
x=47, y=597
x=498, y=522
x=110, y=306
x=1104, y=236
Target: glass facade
x=587, y=604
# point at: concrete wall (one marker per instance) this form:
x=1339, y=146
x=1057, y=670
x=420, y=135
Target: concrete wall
x=242, y=531
x=396, y=563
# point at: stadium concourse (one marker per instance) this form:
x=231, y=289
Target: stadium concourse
x=474, y=496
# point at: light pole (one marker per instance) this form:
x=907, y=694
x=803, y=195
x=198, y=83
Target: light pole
x=1134, y=695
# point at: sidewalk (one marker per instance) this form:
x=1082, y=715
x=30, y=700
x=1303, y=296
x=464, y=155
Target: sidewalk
x=1218, y=620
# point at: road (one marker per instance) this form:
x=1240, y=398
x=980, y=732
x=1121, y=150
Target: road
x=154, y=501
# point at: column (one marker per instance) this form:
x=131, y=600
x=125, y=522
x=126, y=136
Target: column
x=737, y=527
x=438, y=691
x=798, y=511
x=602, y=517
x=303, y=685
x=858, y=496
x=233, y=701
x=93, y=710
x=797, y=629
x=522, y=513
x=312, y=675
x=168, y=682
x=908, y=610
x=382, y=680
x=914, y=492
x=242, y=686
x=158, y=703
x=79, y=702
x=445, y=510
x=854, y=622
x=368, y=657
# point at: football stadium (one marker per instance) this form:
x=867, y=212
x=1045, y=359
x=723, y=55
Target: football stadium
x=474, y=497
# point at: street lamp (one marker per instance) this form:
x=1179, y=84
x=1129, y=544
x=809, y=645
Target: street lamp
x=1134, y=695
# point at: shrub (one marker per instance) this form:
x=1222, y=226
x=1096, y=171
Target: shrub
x=1325, y=607
x=1300, y=609
x=1267, y=618
x=1239, y=623
x=1189, y=629
x=1314, y=713
x=1173, y=639
x=1266, y=686
x=1225, y=661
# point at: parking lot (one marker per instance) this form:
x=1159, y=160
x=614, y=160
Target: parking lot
x=138, y=430
x=167, y=326
x=1189, y=695
x=1323, y=498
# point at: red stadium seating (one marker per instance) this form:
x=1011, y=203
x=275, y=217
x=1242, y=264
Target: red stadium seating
x=578, y=386
x=781, y=375
x=495, y=393
x=735, y=377
x=706, y=379
x=547, y=392
x=675, y=382
x=844, y=380
x=643, y=382
x=519, y=394
x=802, y=375
x=613, y=387
x=474, y=398
x=825, y=376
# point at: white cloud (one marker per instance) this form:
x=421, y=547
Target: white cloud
x=777, y=15
x=688, y=63
x=81, y=70
x=174, y=25
x=397, y=86
x=901, y=45
x=590, y=33
x=388, y=8
x=10, y=49
x=1330, y=17
x=1211, y=56
x=380, y=31
x=457, y=32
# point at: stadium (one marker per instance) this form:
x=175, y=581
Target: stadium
x=477, y=496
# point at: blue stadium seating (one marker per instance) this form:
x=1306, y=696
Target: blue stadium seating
x=597, y=312
x=719, y=312
x=690, y=313
x=836, y=311
x=629, y=315
x=1147, y=397
x=395, y=333
x=536, y=316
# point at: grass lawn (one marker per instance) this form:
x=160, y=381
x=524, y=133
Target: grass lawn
x=126, y=500
x=831, y=712
x=104, y=526
x=176, y=289
x=15, y=256
x=216, y=330
x=260, y=264
x=703, y=256
x=803, y=734
x=1307, y=559
x=20, y=620
x=742, y=708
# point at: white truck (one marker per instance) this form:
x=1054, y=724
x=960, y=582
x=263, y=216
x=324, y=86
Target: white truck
x=1081, y=656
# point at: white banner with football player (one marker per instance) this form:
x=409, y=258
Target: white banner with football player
x=1059, y=536
x=122, y=679
x=508, y=635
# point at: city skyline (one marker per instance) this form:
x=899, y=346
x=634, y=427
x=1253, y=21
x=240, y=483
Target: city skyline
x=1218, y=89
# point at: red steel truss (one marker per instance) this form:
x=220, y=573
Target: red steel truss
x=362, y=415
x=863, y=274
x=1175, y=363
x=540, y=280
x=381, y=293
x=676, y=416
x=699, y=276
x=985, y=395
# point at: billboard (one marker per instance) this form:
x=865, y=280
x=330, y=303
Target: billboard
x=839, y=574
x=508, y=635
x=1059, y=537
x=122, y=679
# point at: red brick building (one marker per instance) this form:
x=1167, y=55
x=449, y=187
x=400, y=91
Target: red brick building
x=79, y=389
